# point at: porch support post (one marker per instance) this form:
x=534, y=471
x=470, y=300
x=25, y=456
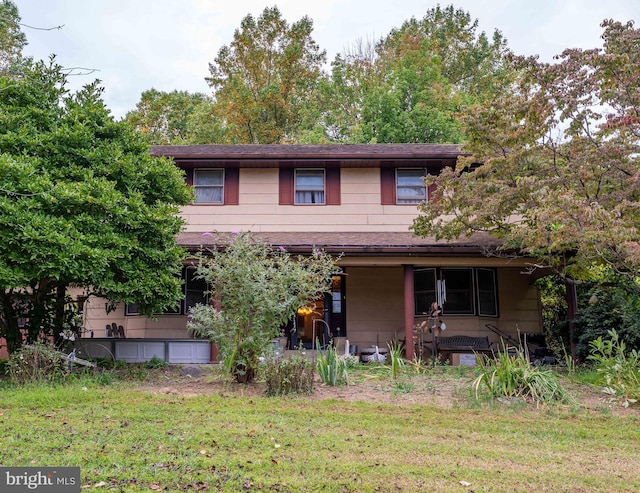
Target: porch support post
x=572, y=310
x=409, y=310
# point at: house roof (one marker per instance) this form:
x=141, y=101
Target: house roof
x=367, y=243
x=284, y=152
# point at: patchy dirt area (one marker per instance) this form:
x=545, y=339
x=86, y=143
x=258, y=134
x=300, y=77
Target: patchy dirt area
x=444, y=389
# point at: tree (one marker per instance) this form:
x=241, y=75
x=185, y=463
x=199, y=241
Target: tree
x=82, y=204
x=256, y=289
x=265, y=77
x=12, y=39
x=413, y=84
x=560, y=175
x=175, y=118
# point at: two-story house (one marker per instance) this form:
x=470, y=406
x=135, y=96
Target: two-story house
x=355, y=200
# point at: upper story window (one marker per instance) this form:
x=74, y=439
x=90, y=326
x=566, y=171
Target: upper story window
x=309, y=186
x=209, y=186
x=410, y=188
x=405, y=186
x=302, y=186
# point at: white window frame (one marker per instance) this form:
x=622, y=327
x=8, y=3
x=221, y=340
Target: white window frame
x=296, y=189
x=403, y=199
x=196, y=186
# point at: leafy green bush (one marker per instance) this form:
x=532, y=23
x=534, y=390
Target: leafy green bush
x=617, y=309
x=617, y=368
x=37, y=363
x=514, y=376
x=155, y=363
x=331, y=368
x=257, y=288
x=292, y=375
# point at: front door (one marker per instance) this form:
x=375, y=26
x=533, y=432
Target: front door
x=320, y=321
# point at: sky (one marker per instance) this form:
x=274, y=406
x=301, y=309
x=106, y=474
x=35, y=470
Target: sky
x=136, y=45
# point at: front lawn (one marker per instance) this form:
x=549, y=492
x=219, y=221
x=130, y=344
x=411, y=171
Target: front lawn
x=160, y=431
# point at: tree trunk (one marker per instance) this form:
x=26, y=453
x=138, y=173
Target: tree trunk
x=243, y=374
x=58, y=316
x=9, y=324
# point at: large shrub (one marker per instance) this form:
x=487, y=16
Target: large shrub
x=612, y=309
x=255, y=289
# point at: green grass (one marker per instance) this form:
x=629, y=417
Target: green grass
x=126, y=437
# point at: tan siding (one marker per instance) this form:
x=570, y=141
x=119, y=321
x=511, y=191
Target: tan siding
x=374, y=305
x=135, y=326
x=258, y=210
x=519, y=308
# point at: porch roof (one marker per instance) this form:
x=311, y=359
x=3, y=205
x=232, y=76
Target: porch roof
x=360, y=243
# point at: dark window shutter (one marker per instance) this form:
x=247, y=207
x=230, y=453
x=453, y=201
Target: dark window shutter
x=333, y=186
x=231, y=186
x=286, y=186
x=388, y=186
x=189, y=176
x=430, y=191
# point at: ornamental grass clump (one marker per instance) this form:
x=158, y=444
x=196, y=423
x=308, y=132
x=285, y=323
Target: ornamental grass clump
x=512, y=375
x=331, y=368
x=292, y=375
x=397, y=361
x=618, y=369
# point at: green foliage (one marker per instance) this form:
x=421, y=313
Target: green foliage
x=515, y=377
x=331, y=368
x=554, y=160
x=291, y=375
x=617, y=367
x=412, y=85
x=396, y=359
x=12, y=39
x=554, y=312
x=155, y=363
x=257, y=288
x=617, y=309
x=400, y=387
x=175, y=118
x=265, y=77
x=36, y=363
x=82, y=203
